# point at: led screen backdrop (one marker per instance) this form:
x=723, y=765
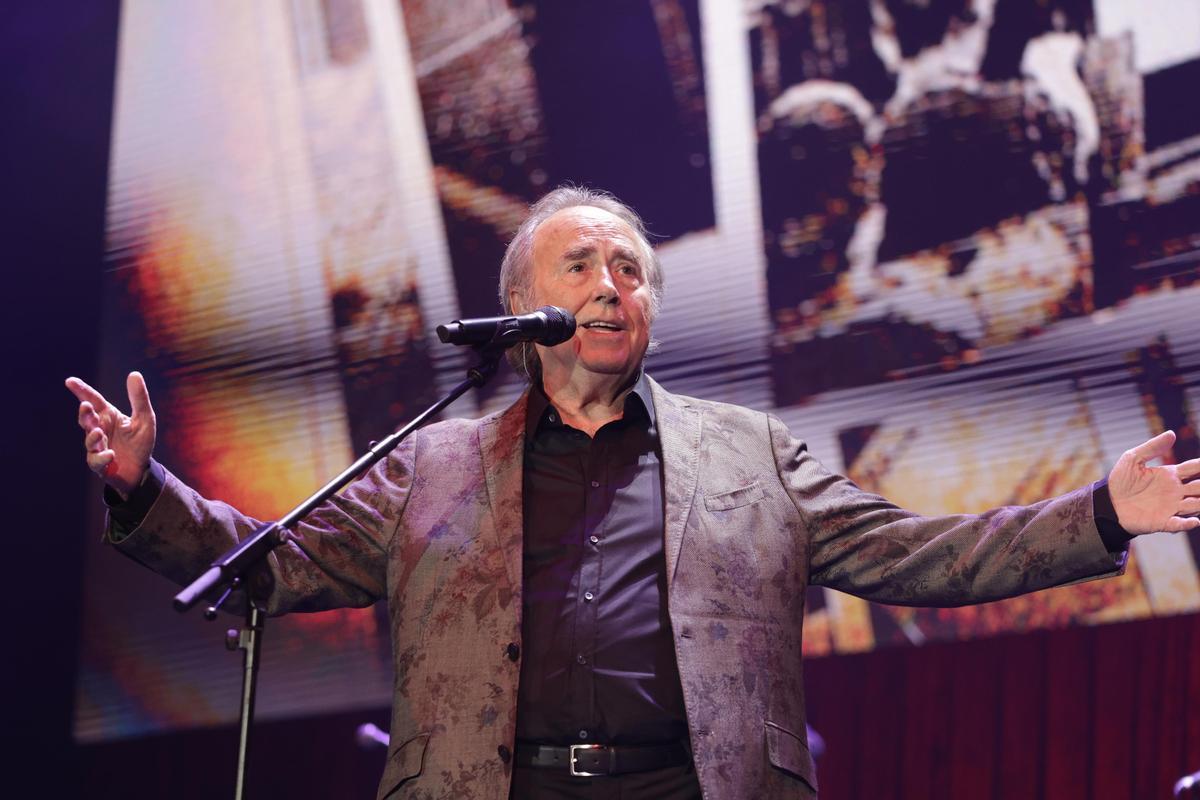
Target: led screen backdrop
x=953, y=244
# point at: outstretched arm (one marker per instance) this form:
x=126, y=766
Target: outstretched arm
x=335, y=558
x=864, y=545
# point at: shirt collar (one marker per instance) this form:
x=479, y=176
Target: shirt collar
x=539, y=410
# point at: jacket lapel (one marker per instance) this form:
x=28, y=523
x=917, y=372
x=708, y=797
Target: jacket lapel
x=501, y=445
x=679, y=433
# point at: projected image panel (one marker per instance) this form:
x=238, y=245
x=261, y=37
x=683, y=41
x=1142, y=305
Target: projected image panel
x=261, y=275
x=521, y=96
x=943, y=185
x=978, y=174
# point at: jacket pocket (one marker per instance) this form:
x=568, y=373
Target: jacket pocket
x=735, y=498
x=789, y=752
x=403, y=764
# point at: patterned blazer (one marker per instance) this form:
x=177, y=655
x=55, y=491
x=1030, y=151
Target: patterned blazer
x=752, y=520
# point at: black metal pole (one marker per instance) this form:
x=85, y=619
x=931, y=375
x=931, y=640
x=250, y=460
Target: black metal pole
x=249, y=640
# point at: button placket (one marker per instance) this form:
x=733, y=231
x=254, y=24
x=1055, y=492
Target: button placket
x=593, y=488
x=589, y=576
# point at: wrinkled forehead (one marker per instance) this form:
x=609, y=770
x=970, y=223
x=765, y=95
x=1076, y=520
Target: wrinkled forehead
x=573, y=228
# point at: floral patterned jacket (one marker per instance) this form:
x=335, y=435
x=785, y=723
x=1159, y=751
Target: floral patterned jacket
x=751, y=521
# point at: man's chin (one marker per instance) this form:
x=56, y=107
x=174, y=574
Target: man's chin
x=608, y=368
x=595, y=364
x=615, y=361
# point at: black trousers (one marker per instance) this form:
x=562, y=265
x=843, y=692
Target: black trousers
x=670, y=783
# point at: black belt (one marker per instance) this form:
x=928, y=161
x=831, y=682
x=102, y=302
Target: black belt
x=587, y=760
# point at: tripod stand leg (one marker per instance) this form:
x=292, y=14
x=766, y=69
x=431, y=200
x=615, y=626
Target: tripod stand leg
x=249, y=641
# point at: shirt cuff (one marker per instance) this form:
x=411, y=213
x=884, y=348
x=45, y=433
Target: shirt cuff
x=126, y=515
x=1115, y=538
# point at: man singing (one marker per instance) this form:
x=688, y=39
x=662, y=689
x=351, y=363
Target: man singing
x=599, y=592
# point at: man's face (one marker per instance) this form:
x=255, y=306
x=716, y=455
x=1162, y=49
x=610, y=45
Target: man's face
x=589, y=262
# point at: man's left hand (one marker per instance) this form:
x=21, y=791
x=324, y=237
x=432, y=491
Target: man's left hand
x=1149, y=499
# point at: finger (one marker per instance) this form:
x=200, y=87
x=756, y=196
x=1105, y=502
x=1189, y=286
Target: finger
x=1188, y=469
x=88, y=418
x=1189, y=505
x=1153, y=448
x=95, y=441
x=85, y=393
x=139, y=395
x=1180, y=524
x=98, y=462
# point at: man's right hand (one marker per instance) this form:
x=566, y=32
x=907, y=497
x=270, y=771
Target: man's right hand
x=118, y=447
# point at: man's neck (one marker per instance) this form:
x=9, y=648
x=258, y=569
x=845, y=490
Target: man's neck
x=588, y=401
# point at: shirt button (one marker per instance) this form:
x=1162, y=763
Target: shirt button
x=581, y=658
x=583, y=734
x=595, y=484
x=504, y=753
x=588, y=596
x=594, y=539
x=513, y=651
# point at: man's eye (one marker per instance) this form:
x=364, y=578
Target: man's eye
x=575, y=268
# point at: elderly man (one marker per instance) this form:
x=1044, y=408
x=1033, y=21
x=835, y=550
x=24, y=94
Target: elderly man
x=599, y=592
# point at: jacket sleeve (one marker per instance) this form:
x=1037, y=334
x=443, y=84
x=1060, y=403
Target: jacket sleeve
x=861, y=544
x=336, y=557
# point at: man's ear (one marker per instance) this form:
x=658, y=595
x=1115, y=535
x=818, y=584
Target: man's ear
x=516, y=302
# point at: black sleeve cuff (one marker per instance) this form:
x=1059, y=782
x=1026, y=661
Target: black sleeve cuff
x=126, y=515
x=1115, y=538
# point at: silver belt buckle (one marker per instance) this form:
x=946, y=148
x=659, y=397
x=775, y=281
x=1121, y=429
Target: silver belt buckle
x=578, y=772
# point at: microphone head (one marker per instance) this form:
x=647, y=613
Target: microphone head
x=369, y=736
x=560, y=325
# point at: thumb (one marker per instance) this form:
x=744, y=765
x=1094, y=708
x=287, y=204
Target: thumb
x=139, y=395
x=1152, y=449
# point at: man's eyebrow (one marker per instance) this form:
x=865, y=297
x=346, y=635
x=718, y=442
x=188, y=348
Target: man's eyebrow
x=579, y=253
x=626, y=254
x=585, y=251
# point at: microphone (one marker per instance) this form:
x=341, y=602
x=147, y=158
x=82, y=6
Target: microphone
x=369, y=736
x=549, y=325
x=1186, y=782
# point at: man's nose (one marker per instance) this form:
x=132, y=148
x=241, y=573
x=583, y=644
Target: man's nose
x=606, y=288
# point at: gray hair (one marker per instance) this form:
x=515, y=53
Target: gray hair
x=516, y=269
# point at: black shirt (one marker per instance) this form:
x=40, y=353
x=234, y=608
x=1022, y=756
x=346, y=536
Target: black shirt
x=599, y=658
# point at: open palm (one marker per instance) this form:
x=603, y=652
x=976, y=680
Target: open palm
x=1163, y=498
x=118, y=446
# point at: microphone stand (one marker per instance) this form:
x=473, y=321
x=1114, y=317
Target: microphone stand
x=230, y=571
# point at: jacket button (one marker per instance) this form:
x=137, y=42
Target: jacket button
x=513, y=651
x=504, y=753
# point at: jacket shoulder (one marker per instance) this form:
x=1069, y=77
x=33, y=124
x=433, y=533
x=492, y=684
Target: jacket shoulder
x=714, y=411
x=460, y=430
